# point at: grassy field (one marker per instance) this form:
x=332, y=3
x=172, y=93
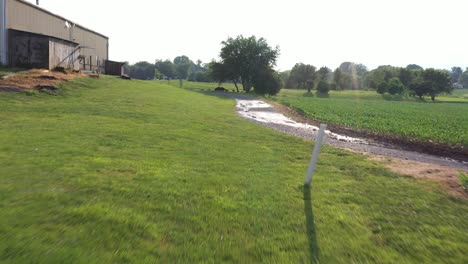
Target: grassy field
x=444, y=121
x=135, y=171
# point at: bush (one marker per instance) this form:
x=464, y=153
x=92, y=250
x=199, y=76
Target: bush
x=323, y=87
x=382, y=88
x=395, y=86
x=267, y=81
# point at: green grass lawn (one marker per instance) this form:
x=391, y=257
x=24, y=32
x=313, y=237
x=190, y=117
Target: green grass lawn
x=444, y=121
x=111, y=171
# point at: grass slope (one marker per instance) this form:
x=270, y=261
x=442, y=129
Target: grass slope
x=445, y=121
x=133, y=171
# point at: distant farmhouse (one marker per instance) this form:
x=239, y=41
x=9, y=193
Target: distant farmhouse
x=32, y=37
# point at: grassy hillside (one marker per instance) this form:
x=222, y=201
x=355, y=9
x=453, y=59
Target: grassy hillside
x=132, y=171
x=444, y=121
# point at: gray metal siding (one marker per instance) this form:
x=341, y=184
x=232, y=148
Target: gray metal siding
x=26, y=17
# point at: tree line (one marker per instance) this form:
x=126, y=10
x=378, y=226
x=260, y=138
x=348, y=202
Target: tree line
x=412, y=80
x=181, y=68
x=248, y=63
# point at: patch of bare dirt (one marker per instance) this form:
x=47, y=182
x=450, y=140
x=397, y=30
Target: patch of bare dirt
x=445, y=176
x=34, y=79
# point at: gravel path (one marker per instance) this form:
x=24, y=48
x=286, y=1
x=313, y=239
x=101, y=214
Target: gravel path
x=266, y=115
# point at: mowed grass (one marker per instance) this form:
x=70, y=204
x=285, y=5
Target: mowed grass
x=445, y=121
x=113, y=171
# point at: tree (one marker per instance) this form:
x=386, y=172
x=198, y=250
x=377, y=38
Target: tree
x=324, y=73
x=221, y=72
x=323, y=87
x=142, y=70
x=182, y=65
x=455, y=74
x=420, y=87
x=382, y=87
x=432, y=82
x=406, y=76
x=464, y=78
x=414, y=67
x=395, y=86
x=267, y=81
x=304, y=76
x=166, y=68
x=244, y=58
x=337, y=78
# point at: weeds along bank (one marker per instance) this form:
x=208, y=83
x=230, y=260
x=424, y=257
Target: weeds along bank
x=111, y=170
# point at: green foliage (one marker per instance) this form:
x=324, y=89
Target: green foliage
x=324, y=74
x=267, y=81
x=243, y=58
x=439, y=82
x=323, y=87
x=455, y=74
x=142, y=70
x=443, y=122
x=464, y=79
x=464, y=180
x=303, y=76
x=395, y=86
x=112, y=171
x=414, y=67
x=182, y=66
x=382, y=87
x=165, y=68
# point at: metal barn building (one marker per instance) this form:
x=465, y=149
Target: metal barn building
x=33, y=37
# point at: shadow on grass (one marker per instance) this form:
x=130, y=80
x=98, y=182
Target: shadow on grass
x=312, y=236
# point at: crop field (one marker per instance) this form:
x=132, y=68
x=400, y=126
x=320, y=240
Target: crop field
x=110, y=171
x=444, y=121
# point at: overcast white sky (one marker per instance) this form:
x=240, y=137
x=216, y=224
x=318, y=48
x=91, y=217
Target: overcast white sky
x=431, y=33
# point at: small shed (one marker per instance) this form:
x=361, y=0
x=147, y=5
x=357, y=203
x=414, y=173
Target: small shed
x=114, y=68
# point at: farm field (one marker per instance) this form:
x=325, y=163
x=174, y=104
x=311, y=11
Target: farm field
x=444, y=121
x=111, y=170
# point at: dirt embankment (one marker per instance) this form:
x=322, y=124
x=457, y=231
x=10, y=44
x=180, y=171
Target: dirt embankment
x=35, y=79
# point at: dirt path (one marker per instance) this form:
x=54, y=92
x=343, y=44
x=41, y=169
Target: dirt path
x=411, y=163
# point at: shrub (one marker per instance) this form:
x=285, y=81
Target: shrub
x=382, y=88
x=395, y=86
x=323, y=87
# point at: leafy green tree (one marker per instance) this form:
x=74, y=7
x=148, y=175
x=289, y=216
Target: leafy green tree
x=324, y=73
x=432, y=82
x=440, y=81
x=395, y=86
x=464, y=78
x=406, y=76
x=221, y=72
x=337, y=78
x=382, y=87
x=304, y=75
x=414, y=67
x=267, y=81
x=142, y=70
x=182, y=65
x=420, y=87
x=245, y=57
x=323, y=87
x=165, y=68
x=455, y=74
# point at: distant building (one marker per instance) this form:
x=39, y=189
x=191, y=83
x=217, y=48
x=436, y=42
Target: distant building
x=33, y=37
